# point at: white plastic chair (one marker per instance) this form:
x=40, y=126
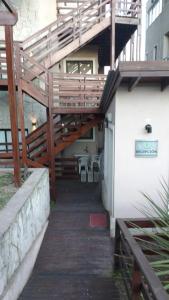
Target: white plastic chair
x=83, y=163
x=95, y=167
x=95, y=160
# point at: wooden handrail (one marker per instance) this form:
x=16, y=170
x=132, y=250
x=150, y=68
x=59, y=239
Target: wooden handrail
x=143, y=279
x=57, y=28
x=74, y=24
x=122, y=6
x=56, y=23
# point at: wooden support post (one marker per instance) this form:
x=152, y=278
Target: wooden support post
x=50, y=139
x=112, y=51
x=136, y=282
x=139, y=41
x=21, y=105
x=12, y=102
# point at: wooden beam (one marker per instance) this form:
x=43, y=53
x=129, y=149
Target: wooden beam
x=7, y=19
x=113, y=90
x=50, y=139
x=127, y=20
x=21, y=106
x=12, y=102
x=33, y=164
x=106, y=100
x=133, y=83
x=5, y=155
x=30, y=89
x=145, y=66
x=3, y=82
x=75, y=110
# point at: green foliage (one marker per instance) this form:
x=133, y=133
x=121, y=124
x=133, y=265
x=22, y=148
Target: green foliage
x=6, y=188
x=159, y=239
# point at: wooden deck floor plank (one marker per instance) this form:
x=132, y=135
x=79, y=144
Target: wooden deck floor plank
x=75, y=260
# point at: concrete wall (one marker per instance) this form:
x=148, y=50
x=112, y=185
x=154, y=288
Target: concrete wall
x=156, y=32
x=131, y=175
x=22, y=226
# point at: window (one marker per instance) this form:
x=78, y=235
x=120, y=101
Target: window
x=89, y=136
x=80, y=67
x=6, y=139
x=154, y=11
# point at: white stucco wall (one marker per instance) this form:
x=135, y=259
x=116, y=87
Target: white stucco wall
x=108, y=181
x=32, y=16
x=86, y=146
x=135, y=175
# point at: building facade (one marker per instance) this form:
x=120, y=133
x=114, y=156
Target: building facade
x=157, y=31
x=136, y=160
x=91, y=58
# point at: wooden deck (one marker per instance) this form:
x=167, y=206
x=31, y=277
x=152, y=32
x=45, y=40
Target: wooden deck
x=75, y=260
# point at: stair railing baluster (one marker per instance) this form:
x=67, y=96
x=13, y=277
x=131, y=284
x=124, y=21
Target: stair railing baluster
x=74, y=27
x=50, y=137
x=21, y=102
x=80, y=26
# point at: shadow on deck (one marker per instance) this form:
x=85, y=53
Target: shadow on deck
x=75, y=260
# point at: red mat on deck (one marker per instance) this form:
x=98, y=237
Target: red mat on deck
x=98, y=220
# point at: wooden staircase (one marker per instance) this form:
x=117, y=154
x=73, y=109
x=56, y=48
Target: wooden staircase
x=74, y=29
x=72, y=102
x=67, y=34
x=67, y=130
x=67, y=168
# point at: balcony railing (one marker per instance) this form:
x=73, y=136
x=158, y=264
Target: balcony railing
x=3, y=64
x=77, y=91
x=124, y=8
x=140, y=280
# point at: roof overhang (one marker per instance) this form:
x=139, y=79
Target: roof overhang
x=133, y=73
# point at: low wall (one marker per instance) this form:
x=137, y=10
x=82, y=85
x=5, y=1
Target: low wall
x=23, y=223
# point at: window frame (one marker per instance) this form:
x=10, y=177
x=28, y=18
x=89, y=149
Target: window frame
x=83, y=61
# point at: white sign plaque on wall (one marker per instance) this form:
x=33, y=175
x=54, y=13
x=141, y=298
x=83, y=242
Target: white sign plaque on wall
x=146, y=148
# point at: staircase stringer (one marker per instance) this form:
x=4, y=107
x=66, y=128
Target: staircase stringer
x=75, y=45
x=34, y=93
x=66, y=142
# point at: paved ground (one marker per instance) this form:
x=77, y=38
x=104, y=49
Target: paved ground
x=75, y=260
